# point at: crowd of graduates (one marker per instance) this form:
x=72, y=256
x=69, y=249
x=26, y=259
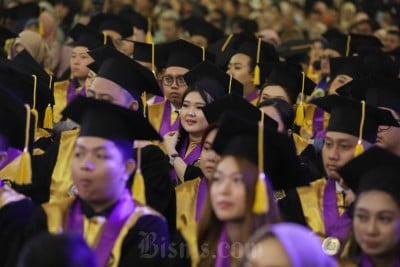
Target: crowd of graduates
x=199, y=133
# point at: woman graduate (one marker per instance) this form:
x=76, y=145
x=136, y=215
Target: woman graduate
x=374, y=177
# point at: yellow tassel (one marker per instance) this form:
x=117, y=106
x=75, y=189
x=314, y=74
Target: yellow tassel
x=138, y=187
x=24, y=175
x=149, y=37
x=359, y=149
x=257, y=75
x=36, y=118
x=260, y=204
x=48, y=118
x=40, y=29
x=299, y=120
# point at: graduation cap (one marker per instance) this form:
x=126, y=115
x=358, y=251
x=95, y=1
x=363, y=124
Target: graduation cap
x=181, y=53
x=15, y=118
x=347, y=45
x=115, y=123
x=21, y=14
x=376, y=64
x=199, y=26
x=258, y=51
x=32, y=91
x=377, y=93
x=6, y=34
x=103, y=22
x=354, y=117
x=289, y=77
x=236, y=104
x=375, y=169
x=210, y=78
x=143, y=52
x=25, y=62
x=84, y=36
x=295, y=51
x=345, y=65
x=240, y=137
x=124, y=71
x=136, y=19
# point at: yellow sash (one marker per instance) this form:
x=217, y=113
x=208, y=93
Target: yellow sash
x=300, y=143
x=60, y=98
x=56, y=219
x=155, y=114
x=186, y=198
x=61, y=179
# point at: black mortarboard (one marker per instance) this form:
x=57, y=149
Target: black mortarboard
x=102, y=22
x=210, y=78
x=239, y=137
x=142, y=52
x=199, y=26
x=345, y=65
x=26, y=63
x=288, y=76
x=6, y=34
x=267, y=51
x=376, y=64
x=239, y=106
x=295, y=51
x=377, y=93
x=346, y=117
x=84, y=36
x=109, y=121
x=375, y=169
x=347, y=45
x=12, y=118
x=21, y=14
x=181, y=53
x=124, y=71
x=136, y=20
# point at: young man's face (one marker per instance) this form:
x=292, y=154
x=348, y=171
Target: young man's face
x=99, y=170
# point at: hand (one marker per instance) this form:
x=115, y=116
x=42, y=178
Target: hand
x=170, y=140
x=9, y=195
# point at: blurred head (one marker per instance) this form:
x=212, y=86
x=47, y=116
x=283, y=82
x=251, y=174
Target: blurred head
x=208, y=157
x=78, y=62
x=174, y=84
x=389, y=136
x=65, y=250
x=241, y=67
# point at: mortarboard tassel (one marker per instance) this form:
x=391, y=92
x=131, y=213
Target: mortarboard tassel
x=33, y=110
x=138, y=189
x=153, y=64
x=48, y=118
x=203, y=55
x=261, y=204
x=149, y=37
x=257, y=79
x=359, y=147
x=24, y=175
x=104, y=38
x=40, y=28
x=299, y=120
x=227, y=41
x=348, y=45
x=230, y=84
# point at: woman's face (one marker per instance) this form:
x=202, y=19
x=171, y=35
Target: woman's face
x=273, y=113
x=208, y=157
x=267, y=253
x=79, y=61
x=376, y=223
x=191, y=115
x=239, y=68
x=274, y=91
x=228, y=191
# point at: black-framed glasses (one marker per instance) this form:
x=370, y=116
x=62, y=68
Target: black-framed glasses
x=169, y=80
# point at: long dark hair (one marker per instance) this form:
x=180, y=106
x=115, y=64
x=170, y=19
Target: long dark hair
x=284, y=109
x=183, y=134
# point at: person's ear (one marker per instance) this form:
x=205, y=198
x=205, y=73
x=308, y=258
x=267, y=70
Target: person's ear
x=134, y=105
x=130, y=166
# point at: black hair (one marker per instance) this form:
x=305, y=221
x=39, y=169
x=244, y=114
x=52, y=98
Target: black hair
x=292, y=96
x=206, y=97
x=4, y=142
x=284, y=109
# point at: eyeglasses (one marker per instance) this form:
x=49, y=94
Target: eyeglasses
x=387, y=127
x=168, y=80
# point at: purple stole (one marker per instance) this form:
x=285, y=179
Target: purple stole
x=252, y=96
x=158, y=99
x=335, y=225
x=223, y=250
x=121, y=212
x=366, y=262
x=193, y=156
x=71, y=90
x=166, y=120
x=318, y=123
x=201, y=196
x=12, y=153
